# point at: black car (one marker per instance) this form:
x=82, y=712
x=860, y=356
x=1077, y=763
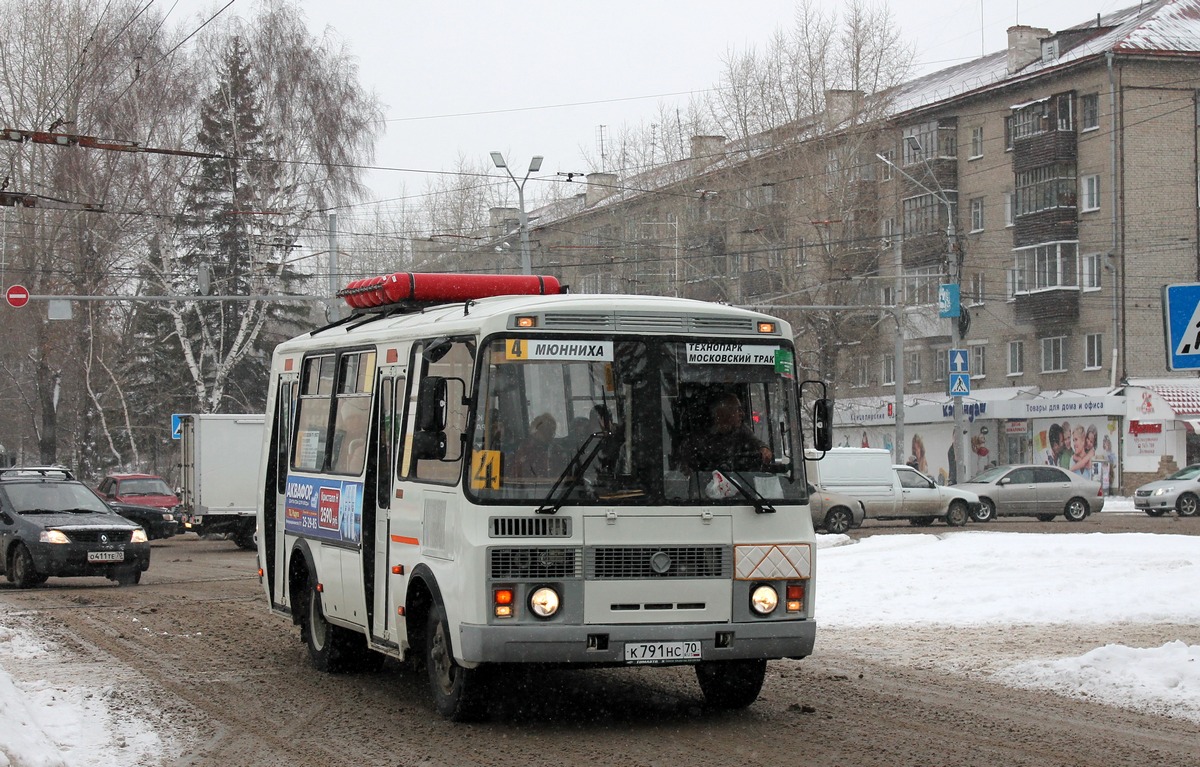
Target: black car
x=157, y=522
x=52, y=524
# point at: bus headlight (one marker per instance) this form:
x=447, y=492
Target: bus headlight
x=764, y=599
x=544, y=602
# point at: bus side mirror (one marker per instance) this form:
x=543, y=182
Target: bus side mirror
x=429, y=445
x=823, y=424
x=432, y=400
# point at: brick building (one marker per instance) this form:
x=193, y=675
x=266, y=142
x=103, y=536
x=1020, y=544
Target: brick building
x=1067, y=166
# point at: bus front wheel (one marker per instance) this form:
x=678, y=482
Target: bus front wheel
x=731, y=683
x=458, y=693
x=331, y=647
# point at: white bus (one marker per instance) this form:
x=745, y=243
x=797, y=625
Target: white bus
x=539, y=478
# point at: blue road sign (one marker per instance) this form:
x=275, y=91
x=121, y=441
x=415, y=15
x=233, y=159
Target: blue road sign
x=176, y=425
x=960, y=384
x=1181, y=325
x=960, y=361
x=948, y=300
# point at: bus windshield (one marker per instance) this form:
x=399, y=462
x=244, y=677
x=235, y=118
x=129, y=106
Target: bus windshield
x=635, y=421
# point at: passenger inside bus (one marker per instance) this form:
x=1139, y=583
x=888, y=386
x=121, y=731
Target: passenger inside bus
x=726, y=442
x=350, y=436
x=539, y=456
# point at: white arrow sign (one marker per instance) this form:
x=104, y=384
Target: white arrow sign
x=960, y=361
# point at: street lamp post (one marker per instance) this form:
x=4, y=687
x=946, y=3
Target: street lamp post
x=534, y=166
x=959, y=440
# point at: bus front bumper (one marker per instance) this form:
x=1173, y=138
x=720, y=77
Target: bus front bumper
x=605, y=644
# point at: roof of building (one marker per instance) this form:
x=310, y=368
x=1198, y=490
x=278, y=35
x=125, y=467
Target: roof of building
x=1167, y=27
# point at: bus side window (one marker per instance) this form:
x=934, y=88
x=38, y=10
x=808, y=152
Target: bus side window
x=453, y=361
x=312, y=413
x=352, y=414
x=284, y=406
x=388, y=430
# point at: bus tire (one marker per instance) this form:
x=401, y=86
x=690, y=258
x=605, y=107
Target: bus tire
x=729, y=684
x=330, y=647
x=458, y=693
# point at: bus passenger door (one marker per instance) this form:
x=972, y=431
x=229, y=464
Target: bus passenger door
x=378, y=568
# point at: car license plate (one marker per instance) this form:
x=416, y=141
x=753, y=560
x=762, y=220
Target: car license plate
x=661, y=652
x=106, y=556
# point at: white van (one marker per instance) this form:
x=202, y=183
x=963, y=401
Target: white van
x=889, y=491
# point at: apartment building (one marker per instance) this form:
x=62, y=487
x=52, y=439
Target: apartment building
x=1055, y=182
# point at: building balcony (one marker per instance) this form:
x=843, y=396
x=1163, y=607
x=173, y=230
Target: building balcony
x=1048, y=308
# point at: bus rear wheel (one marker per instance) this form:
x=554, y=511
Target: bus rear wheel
x=458, y=693
x=731, y=684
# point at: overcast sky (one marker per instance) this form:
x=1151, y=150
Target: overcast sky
x=538, y=77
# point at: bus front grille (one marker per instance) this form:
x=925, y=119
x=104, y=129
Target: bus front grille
x=530, y=527
x=645, y=562
x=534, y=563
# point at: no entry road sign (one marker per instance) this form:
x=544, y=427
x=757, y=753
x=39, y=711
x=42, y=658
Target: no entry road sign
x=17, y=296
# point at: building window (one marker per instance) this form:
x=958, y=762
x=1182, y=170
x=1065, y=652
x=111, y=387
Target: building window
x=921, y=215
x=941, y=364
x=1065, y=104
x=887, y=295
x=976, y=142
x=1054, y=354
x=921, y=285
x=889, y=370
x=912, y=366
x=889, y=157
x=1008, y=133
x=801, y=255
x=1030, y=120
x=977, y=214
x=887, y=230
x=978, y=361
x=1089, y=107
x=1093, y=355
x=1092, y=267
x=1089, y=187
x=1016, y=358
x=862, y=376
x=1016, y=282
x=1045, y=187
x=1047, y=266
x=976, y=295
x=1008, y=209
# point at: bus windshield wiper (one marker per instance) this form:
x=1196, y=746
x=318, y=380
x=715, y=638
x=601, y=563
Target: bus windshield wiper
x=760, y=503
x=572, y=475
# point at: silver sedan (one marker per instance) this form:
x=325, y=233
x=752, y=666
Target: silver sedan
x=834, y=512
x=1033, y=490
x=1179, y=492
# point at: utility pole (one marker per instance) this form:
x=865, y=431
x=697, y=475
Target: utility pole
x=960, y=442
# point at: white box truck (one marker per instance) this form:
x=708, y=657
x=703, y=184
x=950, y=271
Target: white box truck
x=890, y=491
x=218, y=469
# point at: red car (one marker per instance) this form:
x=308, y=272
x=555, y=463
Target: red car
x=140, y=489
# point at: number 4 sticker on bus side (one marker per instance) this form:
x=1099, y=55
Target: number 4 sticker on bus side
x=485, y=470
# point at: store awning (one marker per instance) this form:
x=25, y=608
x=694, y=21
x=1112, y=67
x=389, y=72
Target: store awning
x=1184, y=400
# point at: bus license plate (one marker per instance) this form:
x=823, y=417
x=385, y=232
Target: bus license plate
x=106, y=556
x=661, y=652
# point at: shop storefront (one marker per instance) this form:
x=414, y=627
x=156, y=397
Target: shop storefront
x=1078, y=430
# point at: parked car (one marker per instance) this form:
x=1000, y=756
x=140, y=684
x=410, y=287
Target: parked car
x=158, y=523
x=834, y=512
x=889, y=491
x=1034, y=490
x=1179, y=492
x=53, y=524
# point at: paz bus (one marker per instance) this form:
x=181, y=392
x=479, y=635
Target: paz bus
x=488, y=471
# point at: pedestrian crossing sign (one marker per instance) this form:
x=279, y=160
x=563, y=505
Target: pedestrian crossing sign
x=1181, y=325
x=960, y=384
